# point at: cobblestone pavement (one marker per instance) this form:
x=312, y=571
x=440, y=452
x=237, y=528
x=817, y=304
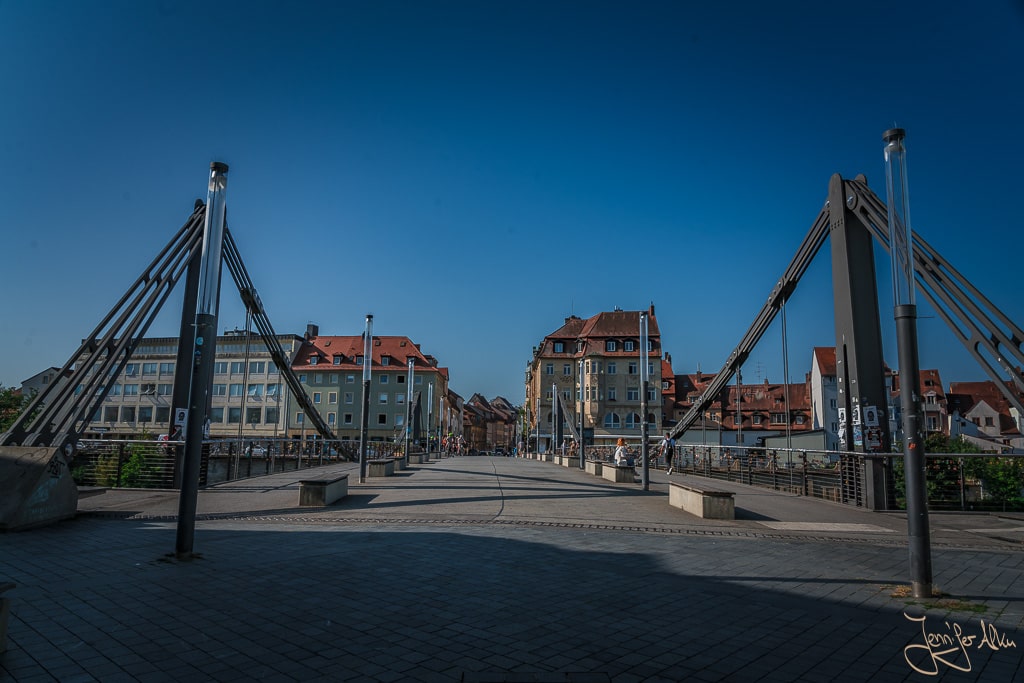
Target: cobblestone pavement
x=501, y=569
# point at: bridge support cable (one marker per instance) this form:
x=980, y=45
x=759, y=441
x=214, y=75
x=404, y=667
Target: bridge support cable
x=569, y=418
x=254, y=306
x=974, y=319
x=60, y=414
x=782, y=290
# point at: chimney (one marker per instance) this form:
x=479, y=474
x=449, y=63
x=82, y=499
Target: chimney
x=312, y=331
x=651, y=311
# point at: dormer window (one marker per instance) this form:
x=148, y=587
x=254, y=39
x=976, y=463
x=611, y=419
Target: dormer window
x=313, y=360
x=385, y=360
x=559, y=347
x=359, y=360
x=610, y=345
x=628, y=345
x=337, y=360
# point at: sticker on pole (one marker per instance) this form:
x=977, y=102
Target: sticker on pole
x=180, y=417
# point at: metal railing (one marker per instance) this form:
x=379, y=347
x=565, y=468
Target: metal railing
x=151, y=464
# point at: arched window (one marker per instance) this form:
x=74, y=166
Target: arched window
x=632, y=421
x=611, y=421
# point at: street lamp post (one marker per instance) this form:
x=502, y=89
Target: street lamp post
x=364, y=426
x=583, y=398
x=901, y=248
x=408, y=407
x=646, y=474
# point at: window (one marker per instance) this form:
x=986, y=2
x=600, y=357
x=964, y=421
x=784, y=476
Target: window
x=237, y=367
x=628, y=345
x=272, y=415
x=359, y=360
x=989, y=422
x=382, y=418
x=566, y=394
x=633, y=394
x=220, y=367
x=383, y=398
x=332, y=418
x=149, y=368
x=255, y=391
x=632, y=421
x=549, y=369
x=217, y=414
x=272, y=390
x=650, y=369
x=302, y=379
x=257, y=367
x=933, y=423
x=164, y=389
x=337, y=360
x=131, y=389
x=559, y=347
x=235, y=390
x=350, y=379
x=383, y=379
x=385, y=360
x=148, y=390
x=611, y=393
x=273, y=368
x=930, y=399
x=650, y=395
x=145, y=413
x=314, y=359
x=318, y=378
x=756, y=419
x=778, y=418
x=650, y=345
x=609, y=345
x=399, y=420
x=799, y=419
x=253, y=416
x=832, y=403
x=167, y=368
x=132, y=369
x=611, y=421
x=348, y=397
x=316, y=397
x=347, y=419
x=400, y=399
x=220, y=389
x=128, y=414
x=332, y=378
x=611, y=367
x=332, y=397
x=633, y=368
x=163, y=414
x=400, y=379
x=566, y=369
x=300, y=418
x=110, y=414
x=234, y=415
x=419, y=379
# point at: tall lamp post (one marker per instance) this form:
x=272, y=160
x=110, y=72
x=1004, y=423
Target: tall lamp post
x=646, y=473
x=408, y=407
x=583, y=398
x=901, y=248
x=364, y=422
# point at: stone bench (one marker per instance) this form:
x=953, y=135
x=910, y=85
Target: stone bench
x=703, y=500
x=570, y=461
x=620, y=474
x=323, y=491
x=5, y=610
x=594, y=467
x=380, y=468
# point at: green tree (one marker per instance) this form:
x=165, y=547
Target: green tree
x=12, y=404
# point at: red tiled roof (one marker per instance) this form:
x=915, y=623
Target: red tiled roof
x=396, y=348
x=825, y=357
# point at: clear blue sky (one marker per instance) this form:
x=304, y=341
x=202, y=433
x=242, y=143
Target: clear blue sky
x=473, y=172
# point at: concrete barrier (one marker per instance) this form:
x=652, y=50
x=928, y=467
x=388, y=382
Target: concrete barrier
x=702, y=500
x=323, y=491
x=619, y=474
x=380, y=468
x=594, y=467
x=570, y=461
x=36, y=487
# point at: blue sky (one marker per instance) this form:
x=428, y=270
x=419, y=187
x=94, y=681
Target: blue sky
x=474, y=172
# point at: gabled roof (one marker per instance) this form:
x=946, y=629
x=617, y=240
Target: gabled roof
x=396, y=348
x=825, y=359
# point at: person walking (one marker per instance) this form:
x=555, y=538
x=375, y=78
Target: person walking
x=668, y=450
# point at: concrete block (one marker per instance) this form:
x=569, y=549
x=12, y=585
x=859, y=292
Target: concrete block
x=703, y=501
x=320, y=492
x=36, y=487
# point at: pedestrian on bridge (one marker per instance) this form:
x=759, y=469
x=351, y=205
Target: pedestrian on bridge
x=668, y=450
